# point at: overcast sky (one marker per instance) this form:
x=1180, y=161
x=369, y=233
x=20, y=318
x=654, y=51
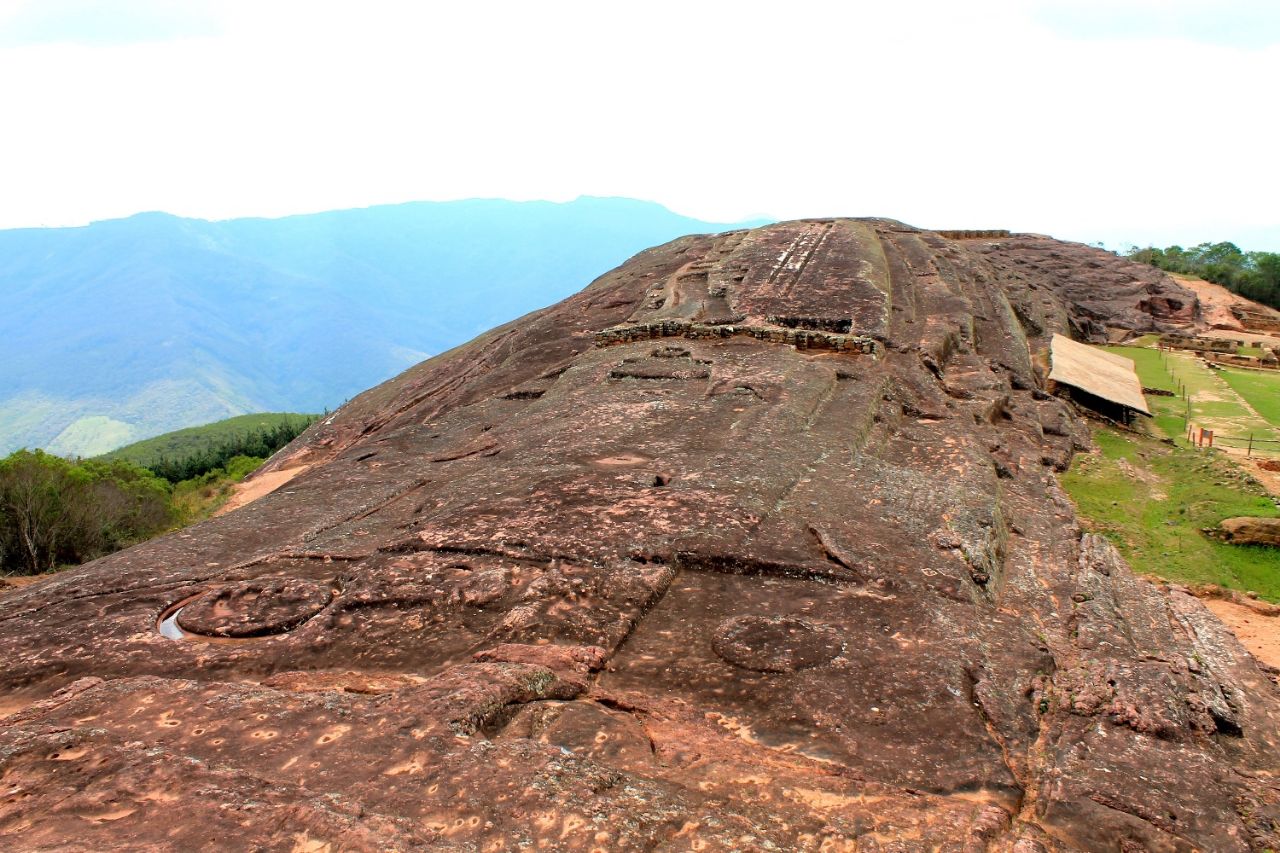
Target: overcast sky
x=1113, y=120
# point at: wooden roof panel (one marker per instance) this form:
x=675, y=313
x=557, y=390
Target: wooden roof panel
x=1103, y=374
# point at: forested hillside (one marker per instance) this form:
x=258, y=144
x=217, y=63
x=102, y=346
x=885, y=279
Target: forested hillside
x=1253, y=275
x=190, y=452
x=56, y=512
x=125, y=329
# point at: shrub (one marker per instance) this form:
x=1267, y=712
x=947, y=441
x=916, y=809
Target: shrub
x=56, y=511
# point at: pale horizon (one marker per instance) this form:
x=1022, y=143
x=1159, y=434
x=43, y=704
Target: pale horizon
x=1134, y=122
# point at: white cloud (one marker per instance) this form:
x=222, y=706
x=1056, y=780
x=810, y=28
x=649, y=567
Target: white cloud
x=939, y=114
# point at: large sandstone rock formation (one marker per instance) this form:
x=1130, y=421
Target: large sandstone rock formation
x=753, y=544
x=1249, y=530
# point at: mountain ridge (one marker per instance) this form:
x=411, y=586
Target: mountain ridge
x=754, y=543
x=136, y=326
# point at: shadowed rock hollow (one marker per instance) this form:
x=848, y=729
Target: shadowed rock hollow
x=753, y=544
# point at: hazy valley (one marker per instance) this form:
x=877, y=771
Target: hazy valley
x=125, y=329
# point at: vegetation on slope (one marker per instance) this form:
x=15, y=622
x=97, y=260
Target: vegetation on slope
x=200, y=497
x=1253, y=275
x=189, y=453
x=56, y=512
x=1152, y=500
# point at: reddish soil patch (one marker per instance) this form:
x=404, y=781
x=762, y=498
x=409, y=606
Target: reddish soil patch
x=1215, y=302
x=1268, y=475
x=1257, y=631
x=13, y=582
x=263, y=484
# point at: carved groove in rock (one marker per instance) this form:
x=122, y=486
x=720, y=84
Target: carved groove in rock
x=752, y=544
x=253, y=608
x=775, y=643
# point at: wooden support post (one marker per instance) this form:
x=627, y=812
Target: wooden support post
x=1210, y=437
x=1249, y=452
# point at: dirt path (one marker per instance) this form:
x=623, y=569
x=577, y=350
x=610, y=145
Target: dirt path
x=1257, y=632
x=255, y=487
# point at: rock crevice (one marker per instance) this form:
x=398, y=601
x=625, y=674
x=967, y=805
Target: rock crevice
x=754, y=544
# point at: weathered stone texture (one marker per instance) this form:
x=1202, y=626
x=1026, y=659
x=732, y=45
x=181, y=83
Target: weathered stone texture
x=1103, y=290
x=613, y=577
x=1248, y=530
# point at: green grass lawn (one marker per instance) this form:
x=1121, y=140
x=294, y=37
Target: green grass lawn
x=1262, y=390
x=1152, y=373
x=1149, y=364
x=1216, y=401
x=1152, y=500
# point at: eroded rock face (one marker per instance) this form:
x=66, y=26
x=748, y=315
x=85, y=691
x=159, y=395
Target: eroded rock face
x=753, y=544
x=1248, y=530
x=1102, y=289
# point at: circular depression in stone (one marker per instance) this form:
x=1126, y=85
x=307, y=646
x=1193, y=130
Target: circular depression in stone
x=775, y=643
x=254, y=608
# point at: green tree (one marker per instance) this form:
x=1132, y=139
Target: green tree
x=1254, y=275
x=55, y=511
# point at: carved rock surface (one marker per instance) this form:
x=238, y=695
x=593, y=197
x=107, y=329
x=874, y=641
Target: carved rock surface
x=753, y=544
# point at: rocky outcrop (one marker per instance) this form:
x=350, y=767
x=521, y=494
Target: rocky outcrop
x=603, y=579
x=1103, y=289
x=1248, y=530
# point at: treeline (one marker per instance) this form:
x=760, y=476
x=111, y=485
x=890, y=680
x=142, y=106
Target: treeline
x=56, y=511
x=1253, y=275
x=258, y=443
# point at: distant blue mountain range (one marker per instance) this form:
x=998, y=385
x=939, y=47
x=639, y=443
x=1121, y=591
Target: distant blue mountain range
x=125, y=329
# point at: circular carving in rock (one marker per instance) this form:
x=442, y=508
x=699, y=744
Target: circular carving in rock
x=775, y=643
x=254, y=608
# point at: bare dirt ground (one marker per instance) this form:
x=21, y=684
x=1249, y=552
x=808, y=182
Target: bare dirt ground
x=1215, y=302
x=1215, y=307
x=15, y=581
x=1258, y=631
x=1269, y=479
x=255, y=487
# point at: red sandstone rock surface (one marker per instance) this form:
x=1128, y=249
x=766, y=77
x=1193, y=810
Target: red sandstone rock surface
x=753, y=544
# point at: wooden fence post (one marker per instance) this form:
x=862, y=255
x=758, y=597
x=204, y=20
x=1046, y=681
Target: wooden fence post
x=1249, y=452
